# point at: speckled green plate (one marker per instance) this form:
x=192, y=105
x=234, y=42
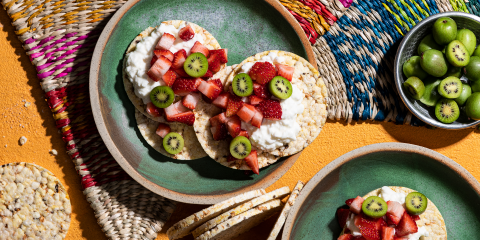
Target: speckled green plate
x=245, y=27
x=449, y=186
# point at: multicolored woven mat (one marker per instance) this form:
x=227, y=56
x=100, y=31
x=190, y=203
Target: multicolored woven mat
x=354, y=43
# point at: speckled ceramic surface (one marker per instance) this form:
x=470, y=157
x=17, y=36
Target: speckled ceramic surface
x=454, y=191
x=245, y=27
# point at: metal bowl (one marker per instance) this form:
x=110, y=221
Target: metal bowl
x=408, y=48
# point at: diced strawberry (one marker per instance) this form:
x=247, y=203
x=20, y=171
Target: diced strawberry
x=257, y=119
x=181, y=72
x=186, y=118
x=209, y=89
x=387, y=233
x=261, y=91
x=233, y=105
x=174, y=109
x=186, y=33
x=246, y=112
x=379, y=223
x=222, y=118
x=198, y=47
x=191, y=100
x=252, y=162
x=400, y=238
x=214, y=63
x=207, y=75
x=221, y=54
x=153, y=110
x=254, y=100
x=346, y=237
x=221, y=100
x=159, y=68
x=415, y=217
x=217, y=82
x=234, y=125
x=395, y=212
x=243, y=133
x=361, y=221
x=342, y=216
x=356, y=205
x=349, y=201
x=370, y=233
x=285, y=71
x=165, y=53
x=183, y=86
x=165, y=42
x=219, y=132
x=179, y=59
x=271, y=109
x=406, y=226
x=231, y=158
x=262, y=72
x=169, y=77
x=154, y=59
x=216, y=121
x=162, y=130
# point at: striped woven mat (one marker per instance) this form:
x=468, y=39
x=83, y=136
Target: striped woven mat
x=354, y=43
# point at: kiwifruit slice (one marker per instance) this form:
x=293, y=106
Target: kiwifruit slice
x=280, y=87
x=374, y=207
x=415, y=87
x=162, y=96
x=431, y=95
x=196, y=65
x=450, y=87
x=457, y=54
x=447, y=111
x=416, y=203
x=466, y=92
x=240, y=147
x=242, y=85
x=173, y=143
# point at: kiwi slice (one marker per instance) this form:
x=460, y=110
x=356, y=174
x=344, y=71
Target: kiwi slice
x=173, y=143
x=196, y=65
x=450, y=87
x=240, y=147
x=431, y=96
x=416, y=203
x=374, y=207
x=242, y=85
x=280, y=87
x=415, y=87
x=162, y=96
x=447, y=111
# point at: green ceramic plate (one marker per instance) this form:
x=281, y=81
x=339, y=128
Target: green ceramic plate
x=245, y=27
x=450, y=187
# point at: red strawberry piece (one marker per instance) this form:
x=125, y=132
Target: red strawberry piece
x=219, y=132
x=415, y=217
x=349, y=201
x=406, y=226
x=370, y=233
x=400, y=238
x=186, y=118
x=165, y=53
x=174, y=109
x=162, y=129
x=209, y=89
x=346, y=237
x=379, y=223
x=154, y=59
x=191, y=100
x=361, y=220
x=169, y=77
x=181, y=72
x=233, y=105
x=183, y=86
x=257, y=119
x=221, y=54
x=207, y=75
x=179, y=59
x=234, y=125
x=387, y=233
x=198, y=47
x=261, y=91
x=221, y=100
x=262, y=72
x=356, y=205
x=342, y=216
x=254, y=100
x=223, y=119
x=243, y=133
x=186, y=33
x=159, y=68
x=214, y=63
x=217, y=82
x=231, y=158
x=246, y=112
x=252, y=162
x=165, y=42
x=216, y=121
x=395, y=212
x=285, y=71
x=272, y=110
x=153, y=110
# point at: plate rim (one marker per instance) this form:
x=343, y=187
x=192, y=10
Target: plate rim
x=369, y=149
x=98, y=115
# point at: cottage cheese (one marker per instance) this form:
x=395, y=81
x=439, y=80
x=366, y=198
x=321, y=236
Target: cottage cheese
x=138, y=61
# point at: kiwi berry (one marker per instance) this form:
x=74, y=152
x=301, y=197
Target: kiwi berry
x=412, y=67
x=476, y=52
x=196, y=65
x=415, y=87
x=162, y=96
x=447, y=110
x=173, y=143
x=280, y=87
x=428, y=43
x=431, y=95
x=453, y=71
x=450, y=87
x=444, y=30
x=374, y=207
x=434, y=63
x=472, y=107
x=240, y=147
x=242, y=85
x=457, y=54
x=475, y=85
x=468, y=39
x=466, y=92
x=472, y=70
x=416, y=203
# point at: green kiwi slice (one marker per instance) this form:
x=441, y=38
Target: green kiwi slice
x=416, y=203
x=196, y=65
x=450, y=87
x=457, y=54
x=374, y=207
x=447, y=111
x=242, y=85
x=431, y=95
x=162, y=96
x=466, y=92
x=415, y=87
x=240, y=147
x=173, y=143
x=280, y=87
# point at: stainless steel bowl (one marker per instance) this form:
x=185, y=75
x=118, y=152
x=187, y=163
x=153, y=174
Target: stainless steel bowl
x=408, y=48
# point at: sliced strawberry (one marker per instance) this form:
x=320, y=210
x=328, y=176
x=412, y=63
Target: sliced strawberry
x=186, y=118
x=271, y=109
x=159, y=68
x=285, y=71
x=395, y=212
x=186, y=33
x=191, y=100
x=174, y=109
x=209, y=89
x=181, y=72
x=165, y=42
x=342, y=216
x=221, y=54
x=262, y=72
x=233, y=105
x=214, y=63
x=184, y=86
x=415, y=217
x=223, y=119
x=154, y=59
x=261, y=91
x=231, y=158
x=165, y=53
x=252, y=162
x=246, y=112
x=153, y=110
x=216, y=121
x=207, y=75
x=234, y=125
x=162, y=130
x=370, y=233
x=356, y=205
x=254, y=100
x=219, y=132
x=406, y=226
x=222, y=100
x=346, y=237
x=217, y=82
x=387, y=233
x=198, y=47
x=179, y=59
x=169, y=77
x=243, y=133
x=349, y=201
x=257, y=119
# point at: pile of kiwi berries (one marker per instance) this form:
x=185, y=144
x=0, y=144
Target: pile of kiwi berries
x=375, y=207
x=434, y=76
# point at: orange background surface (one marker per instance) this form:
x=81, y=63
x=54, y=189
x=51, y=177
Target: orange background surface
x=19, y=84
